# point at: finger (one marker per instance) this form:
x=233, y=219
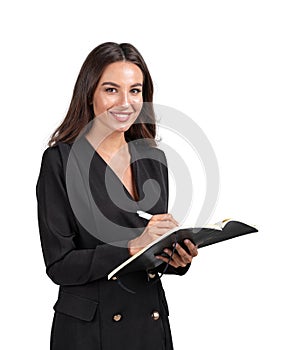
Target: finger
x=158, y=217
x=182, y=252
x=191, y=247
x=175, y=256
x=178, y=260
x=171, y=218
x=166, y=260
x=157, y=231
x=164, y=224
x=181, y=257
x=168, y=252
x=162, y=217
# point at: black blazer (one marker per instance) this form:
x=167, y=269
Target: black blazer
x=79, y=225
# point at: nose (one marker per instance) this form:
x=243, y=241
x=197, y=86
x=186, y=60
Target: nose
x=124, y=99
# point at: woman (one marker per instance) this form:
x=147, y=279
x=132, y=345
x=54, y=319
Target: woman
x=85, y=233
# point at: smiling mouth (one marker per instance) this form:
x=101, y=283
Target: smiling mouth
x=121, y=116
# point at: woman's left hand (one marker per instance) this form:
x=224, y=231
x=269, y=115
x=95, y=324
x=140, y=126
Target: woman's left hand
x=181, y=257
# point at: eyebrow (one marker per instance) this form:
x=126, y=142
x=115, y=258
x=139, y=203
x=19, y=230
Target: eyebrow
x=116, y=85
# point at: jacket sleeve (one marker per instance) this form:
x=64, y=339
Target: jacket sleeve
x=65, y=264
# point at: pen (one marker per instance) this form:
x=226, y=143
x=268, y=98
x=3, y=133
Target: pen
x=144, y=215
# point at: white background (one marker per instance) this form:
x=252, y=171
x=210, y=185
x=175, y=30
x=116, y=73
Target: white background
x=223, y=63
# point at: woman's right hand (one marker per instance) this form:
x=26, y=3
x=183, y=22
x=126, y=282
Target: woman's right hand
x=158, y=225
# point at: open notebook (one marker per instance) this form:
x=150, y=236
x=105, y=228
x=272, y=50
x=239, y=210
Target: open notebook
x=200, y=236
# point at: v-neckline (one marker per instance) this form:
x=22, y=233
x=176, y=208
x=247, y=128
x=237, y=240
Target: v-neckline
x=132, y=165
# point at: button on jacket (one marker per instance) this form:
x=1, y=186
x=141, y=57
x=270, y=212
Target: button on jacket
x=84, y=235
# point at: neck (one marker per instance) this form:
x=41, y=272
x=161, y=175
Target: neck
x=106, y=142
x=112, y=143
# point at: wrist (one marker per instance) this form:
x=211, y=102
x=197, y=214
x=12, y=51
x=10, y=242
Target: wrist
x=133, y=247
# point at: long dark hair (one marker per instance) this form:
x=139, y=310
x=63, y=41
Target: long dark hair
x=80, y=112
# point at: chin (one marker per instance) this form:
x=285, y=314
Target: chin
x=122, y=129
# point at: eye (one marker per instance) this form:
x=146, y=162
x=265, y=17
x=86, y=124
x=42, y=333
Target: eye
x=111, y=89
x=136, y=91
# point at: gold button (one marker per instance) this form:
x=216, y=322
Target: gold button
x=155, y=315
x=117, y=317
x=151, y=275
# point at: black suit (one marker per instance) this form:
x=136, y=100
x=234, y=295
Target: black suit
x=92, y=312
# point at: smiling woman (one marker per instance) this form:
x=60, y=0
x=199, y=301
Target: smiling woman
x=115, y=130
x=81, y=110
x=118, y=97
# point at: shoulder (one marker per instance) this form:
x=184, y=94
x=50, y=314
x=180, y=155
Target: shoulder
x=157, y=154
x=55, y=157
x=150, y=152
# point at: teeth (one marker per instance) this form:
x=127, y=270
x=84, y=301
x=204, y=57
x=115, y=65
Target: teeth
x=121, y=115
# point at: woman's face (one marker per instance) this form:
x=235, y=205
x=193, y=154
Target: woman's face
x=117, y=100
